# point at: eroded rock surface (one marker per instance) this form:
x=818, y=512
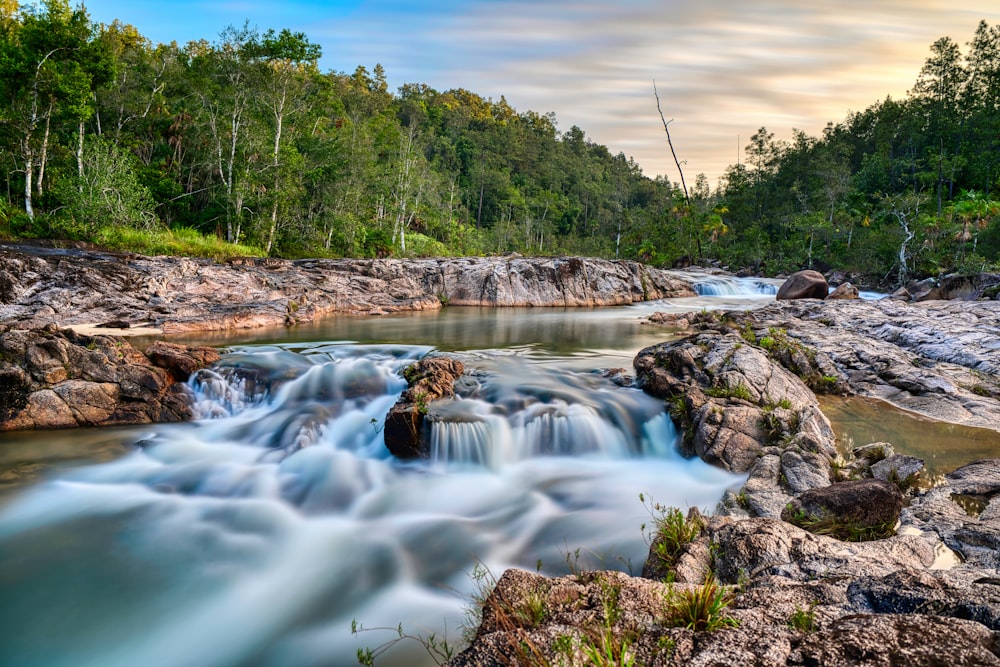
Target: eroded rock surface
x=39, y=286
x=406, y=426
x=52, y=378
x=739, y=408
x=937, y=358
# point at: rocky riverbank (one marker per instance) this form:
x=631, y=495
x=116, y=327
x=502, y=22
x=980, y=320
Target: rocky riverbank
x=53, y=378
x=69, y=287
x=819, y=559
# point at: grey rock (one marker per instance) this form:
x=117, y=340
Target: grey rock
x=899, y=469
x=980, y=477
x=898, y=639
x=71, y=287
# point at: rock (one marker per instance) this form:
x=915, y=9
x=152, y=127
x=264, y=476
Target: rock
x=40, y=286
x=912, y=640
x=899, y=469
x=52, y=378
x=874, y=451
x=856, y=510
x=964, y=512
x=981, y=478
x=758, y=547
x=936, y=358
x=181, y=360
x=806, y=284
x=844, y=291
x=922, y=290
x=430, y=379
x=921, y=592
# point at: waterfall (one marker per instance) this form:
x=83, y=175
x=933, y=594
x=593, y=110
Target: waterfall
x=254, y=535
x=713, y=285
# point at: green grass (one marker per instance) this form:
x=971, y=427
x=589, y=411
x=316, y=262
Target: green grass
x=803, y=620
x=739, y=391
x=183, y=241
x=702, y=609
x=671, y=531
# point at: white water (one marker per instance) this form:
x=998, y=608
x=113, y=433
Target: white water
x=255, y=535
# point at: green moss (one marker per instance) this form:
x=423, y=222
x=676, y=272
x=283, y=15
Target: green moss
x=738, y=391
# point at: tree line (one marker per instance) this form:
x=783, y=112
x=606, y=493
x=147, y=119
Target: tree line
x=107, y=137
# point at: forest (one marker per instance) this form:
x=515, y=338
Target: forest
x=241, y=145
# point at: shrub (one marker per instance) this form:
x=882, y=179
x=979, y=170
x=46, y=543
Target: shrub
x=703, y=609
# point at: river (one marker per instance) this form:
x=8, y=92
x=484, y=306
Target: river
x=254, y=536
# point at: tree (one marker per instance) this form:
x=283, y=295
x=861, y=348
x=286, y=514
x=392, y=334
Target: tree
x=47, y=73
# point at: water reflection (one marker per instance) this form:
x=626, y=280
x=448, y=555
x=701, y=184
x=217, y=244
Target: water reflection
x=943, y=446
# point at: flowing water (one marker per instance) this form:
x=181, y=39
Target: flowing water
x=254, y=535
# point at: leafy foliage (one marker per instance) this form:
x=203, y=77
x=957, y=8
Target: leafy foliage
x=244, y=139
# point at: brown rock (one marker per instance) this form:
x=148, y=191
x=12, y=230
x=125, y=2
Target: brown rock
x=55, y=378
x=46, y=409
x=181, y=360
x=430, y=379
x=844, y=291
x=803, y=285
x=90, y=402
x=859, y=509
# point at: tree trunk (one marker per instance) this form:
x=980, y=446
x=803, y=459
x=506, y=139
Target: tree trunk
x=79, y=154
x=45, y=151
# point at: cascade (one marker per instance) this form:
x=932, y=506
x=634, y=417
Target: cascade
x=254, y=535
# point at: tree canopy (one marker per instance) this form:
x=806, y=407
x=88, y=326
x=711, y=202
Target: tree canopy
x=243, y=138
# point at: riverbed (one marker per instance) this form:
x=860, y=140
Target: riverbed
x=257, y=534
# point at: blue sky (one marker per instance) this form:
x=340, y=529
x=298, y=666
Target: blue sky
x=723, y=67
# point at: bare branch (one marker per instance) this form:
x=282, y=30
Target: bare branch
x=666, y=128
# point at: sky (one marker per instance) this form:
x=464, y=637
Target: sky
x=723, y=68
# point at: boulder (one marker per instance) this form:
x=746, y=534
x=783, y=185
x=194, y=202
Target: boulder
x=431, y=379
x=844, y=291
x=806, y=284
x=856, y=510
x=181, y=360
x=901, y=470
x=52, y=378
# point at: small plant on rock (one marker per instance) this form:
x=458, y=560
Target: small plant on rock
x=803, y=620
x=671, y=531
x=702, y=609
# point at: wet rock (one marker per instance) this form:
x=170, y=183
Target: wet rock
x=406, y=426
x=964, y=512
x=921, y=592
x=844, y=291
x=806, y=284
x=732, y=400
x=52, y=378
x=856, y=510
x=181, y=360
